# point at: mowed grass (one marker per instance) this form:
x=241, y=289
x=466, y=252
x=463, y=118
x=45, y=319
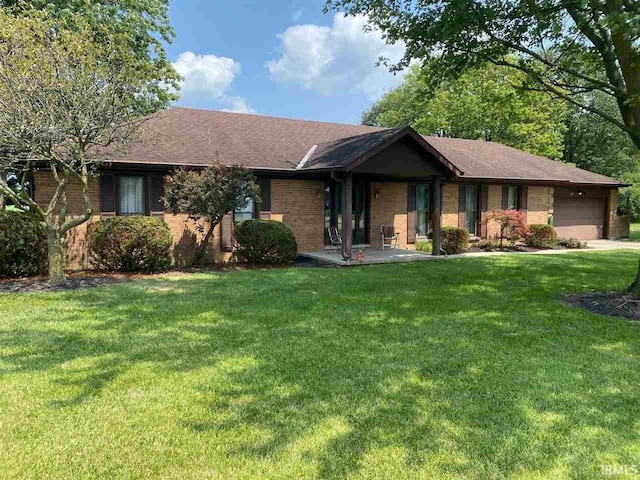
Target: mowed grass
x=634, y=232
x=467, y=368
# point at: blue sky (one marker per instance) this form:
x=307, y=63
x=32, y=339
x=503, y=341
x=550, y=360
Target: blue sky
x=279, y=58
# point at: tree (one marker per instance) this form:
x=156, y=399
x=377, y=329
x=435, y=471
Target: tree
x=142, y=27
x=485, y=103
x=564, y=47
x=64, y=99
x=209, y=195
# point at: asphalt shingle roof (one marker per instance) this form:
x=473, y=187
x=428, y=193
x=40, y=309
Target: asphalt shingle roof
x=184, y=136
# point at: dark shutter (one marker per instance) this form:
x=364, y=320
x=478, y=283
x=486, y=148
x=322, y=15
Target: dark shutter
x=226, y=233
x=265, y=198
x=523, y=198
x=156, y=194
x=505, y=197
x=484, y=207
x=462, y=206
x=107, y=195
x=412, y=216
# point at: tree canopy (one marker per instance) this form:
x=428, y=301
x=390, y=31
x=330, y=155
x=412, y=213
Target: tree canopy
x=564, y=47
x=486, y=103
x=142, y=26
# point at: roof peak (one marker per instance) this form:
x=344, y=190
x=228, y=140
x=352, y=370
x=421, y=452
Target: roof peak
x=222, y=112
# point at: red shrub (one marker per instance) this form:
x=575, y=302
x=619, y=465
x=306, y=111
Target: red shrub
x=513, y=224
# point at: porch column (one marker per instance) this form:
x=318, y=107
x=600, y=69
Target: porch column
x=347, y=208
x=436, y=211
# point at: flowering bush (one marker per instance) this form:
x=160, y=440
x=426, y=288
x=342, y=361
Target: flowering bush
x=513, y=224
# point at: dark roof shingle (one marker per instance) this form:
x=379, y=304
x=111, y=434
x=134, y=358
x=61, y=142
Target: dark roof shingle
x=185, y=136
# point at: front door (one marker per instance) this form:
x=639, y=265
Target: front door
x=360, y=210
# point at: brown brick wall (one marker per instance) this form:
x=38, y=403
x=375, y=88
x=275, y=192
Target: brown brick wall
x=389, y=209
x=539, y=204
x=300, y=204
x=450, y=205
x=612, y=206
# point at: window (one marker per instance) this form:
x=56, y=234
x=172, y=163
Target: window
x=131, y=195
x=471, y=204
x=513, y=198
x=423, y=193
x=245, y=213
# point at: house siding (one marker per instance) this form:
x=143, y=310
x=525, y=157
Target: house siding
x=539, y=204
x=450, y=205
x=300, y=204
x=389, y=209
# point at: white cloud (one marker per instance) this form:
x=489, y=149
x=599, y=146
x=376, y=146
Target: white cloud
x=336, y=58
x=206, y=76
x=237, y=105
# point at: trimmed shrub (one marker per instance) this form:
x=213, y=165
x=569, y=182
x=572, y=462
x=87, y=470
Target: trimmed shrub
x=541, y=236
x=488, y=245
x=23, y=244
x=571, y=243
x=424, y=246
x=265, y=242
x=454, y=240
x=131, y=244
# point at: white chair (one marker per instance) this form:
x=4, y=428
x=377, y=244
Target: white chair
x=335, y=239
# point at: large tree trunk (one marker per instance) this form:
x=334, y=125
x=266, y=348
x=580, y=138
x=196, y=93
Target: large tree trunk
x=55, y=257
x=203, y=246
x=634, y=288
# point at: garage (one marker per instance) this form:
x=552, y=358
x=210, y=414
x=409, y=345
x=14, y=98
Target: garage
x=579, y=214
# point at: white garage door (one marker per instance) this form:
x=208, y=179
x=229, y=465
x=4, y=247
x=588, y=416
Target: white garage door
x=579, y=217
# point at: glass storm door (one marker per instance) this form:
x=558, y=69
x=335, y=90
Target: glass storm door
x=359, y=215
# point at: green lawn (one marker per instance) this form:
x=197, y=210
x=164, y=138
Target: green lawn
x=467, y=368
x=634, y=233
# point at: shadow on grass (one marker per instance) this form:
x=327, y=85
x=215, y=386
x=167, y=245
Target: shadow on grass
x=464, y=367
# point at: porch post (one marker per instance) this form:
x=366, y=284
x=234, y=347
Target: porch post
x=436, y=210
x=347, y=208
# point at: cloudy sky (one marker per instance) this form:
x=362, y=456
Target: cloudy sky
x=280, y=58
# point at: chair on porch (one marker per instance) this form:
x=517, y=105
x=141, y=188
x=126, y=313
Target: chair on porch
x=335, y=239
x=389, y=236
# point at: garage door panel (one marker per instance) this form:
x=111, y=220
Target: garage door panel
x=578, y=217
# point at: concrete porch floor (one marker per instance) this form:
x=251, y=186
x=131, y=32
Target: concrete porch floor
x=374, y=256
x=371, y=256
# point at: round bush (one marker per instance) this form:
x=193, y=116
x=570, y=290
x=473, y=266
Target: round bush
x=454, y=240
x=131, y=244
x=541, y=236
x=265, y=241
x=23, y=244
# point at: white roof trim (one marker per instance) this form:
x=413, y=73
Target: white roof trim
x=306, y=157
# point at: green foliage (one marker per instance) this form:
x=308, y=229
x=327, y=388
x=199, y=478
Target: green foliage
x=424, y=246
x=541, y=236
x=209, y=195
x=23, y=244
x=131, y=244
x=486, y=103
x=571, y=243
x=265, y=242
x=141, y=27
x=563, y=48
x=489, y=245
x=454, y=240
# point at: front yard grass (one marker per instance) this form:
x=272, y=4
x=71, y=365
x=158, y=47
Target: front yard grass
x=467, y=368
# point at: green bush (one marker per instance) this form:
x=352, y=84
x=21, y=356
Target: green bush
x=541, y=236
x=23, y=244
x=131, y=244
x=571, y=243
x=454, y=240
x=265, y=241
x=424, y=246
x=488, y=245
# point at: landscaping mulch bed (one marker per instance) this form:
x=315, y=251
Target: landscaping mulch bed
x=74, y=281
x=611, y=304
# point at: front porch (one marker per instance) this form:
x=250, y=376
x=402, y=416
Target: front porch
x=371, y=256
